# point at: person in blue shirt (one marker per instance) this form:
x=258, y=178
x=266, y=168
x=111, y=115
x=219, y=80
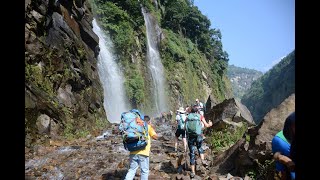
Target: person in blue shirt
x=281, y=147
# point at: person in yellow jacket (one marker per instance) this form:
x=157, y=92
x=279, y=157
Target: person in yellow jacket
x=141, y=157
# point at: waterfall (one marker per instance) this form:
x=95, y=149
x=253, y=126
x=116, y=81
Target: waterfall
x=115, y=101
x=155, y=65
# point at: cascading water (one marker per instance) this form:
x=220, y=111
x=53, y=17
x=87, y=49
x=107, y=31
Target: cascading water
x=155, y=65
x=115, y=101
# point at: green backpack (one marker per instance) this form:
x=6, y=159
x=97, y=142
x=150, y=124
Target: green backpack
x=193, y=125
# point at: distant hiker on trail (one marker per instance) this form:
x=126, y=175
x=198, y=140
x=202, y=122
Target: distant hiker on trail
x=170, y=114
x=163, y=117
x=284, y=154
x=137, y=133
x=200, y=106
x=195, y=137
x=180, y=119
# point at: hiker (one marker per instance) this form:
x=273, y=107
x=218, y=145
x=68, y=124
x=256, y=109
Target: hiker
x=203, y=119
x=200, y=106
x=141, y=157
x=180, y=120
x=170, y=114
x=195, y=136
x=281, y=147
x=163, y=117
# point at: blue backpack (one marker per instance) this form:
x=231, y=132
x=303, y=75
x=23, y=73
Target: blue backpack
x=134, y=130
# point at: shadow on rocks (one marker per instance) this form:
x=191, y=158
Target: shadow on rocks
x=115, y=175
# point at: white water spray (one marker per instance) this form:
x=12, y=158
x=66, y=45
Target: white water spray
x=155, y=65
x=115, y=101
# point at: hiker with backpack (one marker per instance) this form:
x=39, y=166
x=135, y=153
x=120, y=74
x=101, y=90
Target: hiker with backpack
x=180, y=120
x=194, y=133
x=200, y=106
x=137, y=132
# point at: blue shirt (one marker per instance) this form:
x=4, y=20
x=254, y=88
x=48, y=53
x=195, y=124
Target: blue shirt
x=280, y=145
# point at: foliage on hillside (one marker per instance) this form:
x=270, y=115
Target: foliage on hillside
x=272, y=88
x=241, y=79
x=191, y=52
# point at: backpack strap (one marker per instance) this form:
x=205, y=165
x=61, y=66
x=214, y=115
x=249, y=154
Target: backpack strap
x=181, y=119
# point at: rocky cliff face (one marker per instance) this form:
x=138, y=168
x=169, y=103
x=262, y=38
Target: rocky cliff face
x=63, y=94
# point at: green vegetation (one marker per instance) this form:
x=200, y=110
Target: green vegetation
x=221, y=140
x=68, y=131
x=100, y=123
x=271, y=89
x=264, y=170
x=36, y=74
x=135, y=88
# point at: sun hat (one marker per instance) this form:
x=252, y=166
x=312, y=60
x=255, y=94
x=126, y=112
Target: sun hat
x=181, y=110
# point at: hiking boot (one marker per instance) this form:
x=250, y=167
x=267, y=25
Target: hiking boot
x=192, y=175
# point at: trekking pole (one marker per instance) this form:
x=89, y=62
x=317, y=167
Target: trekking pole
x=185, y=153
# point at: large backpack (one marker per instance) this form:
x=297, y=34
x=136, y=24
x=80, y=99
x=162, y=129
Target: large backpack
x=134, y=130
x=193, y=125
x=181, y=122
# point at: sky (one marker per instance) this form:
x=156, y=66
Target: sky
x=256, y=34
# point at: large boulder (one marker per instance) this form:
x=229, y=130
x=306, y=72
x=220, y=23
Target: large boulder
x=65, y=96
x=43, y=123
x=229, y=110
x=272, y=123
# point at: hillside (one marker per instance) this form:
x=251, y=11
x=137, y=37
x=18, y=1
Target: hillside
x=241, y=79
x=271, y=89
x=64, y=95
x=192, y=59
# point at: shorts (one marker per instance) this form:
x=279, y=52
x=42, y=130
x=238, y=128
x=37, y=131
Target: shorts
x=195, y=143
x=180, y=132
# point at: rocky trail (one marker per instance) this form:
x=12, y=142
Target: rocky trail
x=104, y=157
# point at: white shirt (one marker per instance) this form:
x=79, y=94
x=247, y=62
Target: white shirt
x=184, y=117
